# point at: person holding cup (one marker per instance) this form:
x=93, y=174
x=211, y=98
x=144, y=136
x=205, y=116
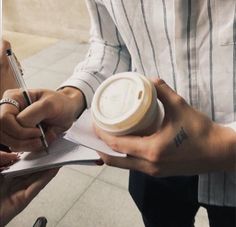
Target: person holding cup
x=190, y=160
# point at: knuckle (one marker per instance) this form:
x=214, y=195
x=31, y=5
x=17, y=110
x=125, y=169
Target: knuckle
x=49, y=105
x=159, y=82
x=11, y=93
x=179, y=101
x=112, y=143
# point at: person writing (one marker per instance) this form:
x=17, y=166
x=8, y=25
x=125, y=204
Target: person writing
x=188, y=45
x=16, y=193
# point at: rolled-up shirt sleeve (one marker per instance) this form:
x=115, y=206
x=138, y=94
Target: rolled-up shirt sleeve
x=106, y=56
x=232, y=125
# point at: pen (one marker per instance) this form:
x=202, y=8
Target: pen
x=18, y=75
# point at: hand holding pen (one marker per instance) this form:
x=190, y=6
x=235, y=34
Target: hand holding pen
x=18, y=75
x=56, y=109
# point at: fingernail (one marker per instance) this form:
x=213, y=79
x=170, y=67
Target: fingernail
x=99, y=162
x=18, y=156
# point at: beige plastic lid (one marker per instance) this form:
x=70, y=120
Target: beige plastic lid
x=121, y=102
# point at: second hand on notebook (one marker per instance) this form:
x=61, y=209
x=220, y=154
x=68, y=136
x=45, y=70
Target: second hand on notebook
x=17, y=72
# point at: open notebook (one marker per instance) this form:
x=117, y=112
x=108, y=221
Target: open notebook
x=77, y=146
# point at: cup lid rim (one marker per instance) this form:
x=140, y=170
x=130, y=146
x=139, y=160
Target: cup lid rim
x=140, y=104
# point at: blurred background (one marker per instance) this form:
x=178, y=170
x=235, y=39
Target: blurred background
x=52, y=18
x=50, y=37
x=28, y=22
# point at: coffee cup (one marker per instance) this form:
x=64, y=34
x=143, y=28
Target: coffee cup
x=126, y=103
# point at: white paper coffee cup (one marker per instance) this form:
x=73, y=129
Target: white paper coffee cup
x=126, y=103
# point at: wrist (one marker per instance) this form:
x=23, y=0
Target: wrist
x=76, y=99
x=227, y=143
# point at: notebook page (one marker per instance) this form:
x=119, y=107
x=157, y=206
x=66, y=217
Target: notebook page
x=61, y=152
x=82, y=132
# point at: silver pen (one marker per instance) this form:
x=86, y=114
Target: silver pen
x=18, y=75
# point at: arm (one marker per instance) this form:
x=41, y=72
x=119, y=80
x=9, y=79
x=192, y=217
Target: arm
x=106, y=56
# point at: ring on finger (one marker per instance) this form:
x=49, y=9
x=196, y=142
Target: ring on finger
x=10, y=101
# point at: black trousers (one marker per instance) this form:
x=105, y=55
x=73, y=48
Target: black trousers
x=172, y=202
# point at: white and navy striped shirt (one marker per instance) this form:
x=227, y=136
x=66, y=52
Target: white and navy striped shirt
x=190, y=44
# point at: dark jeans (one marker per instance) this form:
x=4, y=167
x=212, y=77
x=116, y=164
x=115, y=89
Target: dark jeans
x=172, y=202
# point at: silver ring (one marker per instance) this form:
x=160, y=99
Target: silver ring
x=10, y=101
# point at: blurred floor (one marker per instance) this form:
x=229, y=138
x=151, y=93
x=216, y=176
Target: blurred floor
x=26, y=45
x=79, y=196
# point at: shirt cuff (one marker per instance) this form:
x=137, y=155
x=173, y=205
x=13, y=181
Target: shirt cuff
x=83, y=87
x=86, y=82
x=231, y=125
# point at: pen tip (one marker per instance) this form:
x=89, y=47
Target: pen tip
x=45, y=145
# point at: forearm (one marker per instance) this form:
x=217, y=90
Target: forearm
x=106, y=56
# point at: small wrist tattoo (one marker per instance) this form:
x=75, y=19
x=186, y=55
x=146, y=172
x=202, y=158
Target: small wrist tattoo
x=180, y=137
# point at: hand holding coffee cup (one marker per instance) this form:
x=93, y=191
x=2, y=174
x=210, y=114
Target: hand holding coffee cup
x=126, y=103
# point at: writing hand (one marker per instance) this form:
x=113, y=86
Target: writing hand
x=56, y=110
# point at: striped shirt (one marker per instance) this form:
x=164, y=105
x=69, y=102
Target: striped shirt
x=190, y=44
